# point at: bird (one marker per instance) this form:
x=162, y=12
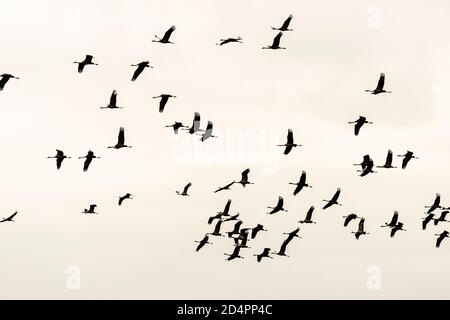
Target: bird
x=216, y=231
x=359, y=123
x=227, y=187
x=366, y=161
x=164, y=98
x=236, y=228
x=360, y=231
x=60, y=156
x=441, y=236
x=308, y=218
x=368, y=168
x=195, y=124
x=176, y=126
x=278, y=207
x=226, y=210
x=235, y=254
x=300, y=184
x=91, y=209
x=379, y=89
x=112, y=102
x=229, y=40
x=257, y=229
x=90, y=155
x=276, y=42
x=217, y=216
x=4, y=78
x=140, y=67
x=393, y=222
x=231, y=218
x=292, y=234
x=10, y=218
x=202, y=243
x=264, y=254
x=333, y=200
x=166, y=37
x=87, y=60
x=388, y=163
x=436, y=204
x=290, y=143
x=406, y=158
x=242, y=239
x=441, y=217
x=122, y=198
x=397, y=227
x=208, y=132
x=285, y=26
x=426, y=220
x=244, y=178
x=185, y=190
x=120, y=140
x=349, y=218
x=282, y=251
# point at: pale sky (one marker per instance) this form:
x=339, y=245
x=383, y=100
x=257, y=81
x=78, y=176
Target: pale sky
x=145, y=249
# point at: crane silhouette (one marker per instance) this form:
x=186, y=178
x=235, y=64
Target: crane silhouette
x=4, y=78
x=10, y=218
x=140, y=67
x=120, y=140
x=166, y=37
x=87, y=60
x=123, y=198
x=216, y=231
x=379, y=89
x=229, y=40
x=244, y=178
x=112, y=102
x=195, y=124
x=282, y=251
x=292, y=234
x=60, y=156
x=185, y=190
x=164, y=98
x=393, y=221
x=227, y=187
x=441, y=218
x=300, y=184
x=366, y=161
x=360, y=231
x=308, y=218
x=278, y=207
x=285, y=26
x=90, y=155
x=397, y=227
x=290, y=143
x=176, y=126
x=202, y=243
x=359, y=123
x=406, y=158
x=235, y=254
x=208, y=132
x=236, y=228
x=333, y=200
x=257, y=229
x=264, y=254
x=349, y=218
x=91, y=209
x=388, y=163
x=226, y=209
x=426, y=220
x=436, y=204
x=441, y=236
x=368, y=168
x=276, y=42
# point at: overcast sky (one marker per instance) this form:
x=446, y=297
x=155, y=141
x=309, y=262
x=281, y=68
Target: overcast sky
x=145, y=249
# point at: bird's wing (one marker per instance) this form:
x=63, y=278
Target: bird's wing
x=168, y=33
x=227, y=206
x=302, y=178
x=59, y=162
x=187, y=187
x=309, y=213
x=290, y=137
x=286, y=22
x=389, y=158
x=336, y=195
x=298, y=188
x=358, y=126
x=276, y=40
x=121, y=137
x=394, y=219
x=81, y=67
x=288, y=149
x=280, y=202
x=137, y=72
x=113, y=98
x=244, y=175
x=380, y=84
x=361, y=225
x=87, y=162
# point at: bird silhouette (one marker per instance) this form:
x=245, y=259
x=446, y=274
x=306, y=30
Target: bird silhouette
x=436, y=204
x=87, y=60
x=256, y=230
x=4, y=78
x=285, y=26
x=441, y=218
x=60, y=156
x=359, y=123
x=90, y=155
x=406, y=158
x=292, y=234
x=276, y=42
x=379, y=89
x=166, y=37
x=185, y=190
x=91, y=209
x=264, y=254
x=112, y=102
x=366, y=161
x=195, y=124
x=244, y=178
x=360, y=231
x=123, y=198
x=388, y=163
x=236, y=228
x=120, y=140
x=216, y=231
x=300, y=184
x=164, y=98
x=10, y=218
x=282, y=251
x=202, y=243
x=226, y=209
x=227, y=187
x=333, y=200
x=441, y=236
x=176, y=126
x=393, y=221
x=140, y=67
x=308, y=218
x=349, y=218
x=290, y=143
x=397, y=227
x=208, y=132
x=235, y=254
x=368, y=168
x=229, y=40
x=278, y=207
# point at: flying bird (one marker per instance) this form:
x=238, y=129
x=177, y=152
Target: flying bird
x=292, y=234
x=90, y=155
x=406, y=158
x=123, y=198
x=349, y=218
x=226, y=210
x=290, y=142
x=308, y=218
x=244, y=178
x=366, y=161
x=229, y=40
x=60, y=156
x=10, y=218
x=208, y=132
x=388, y=163
x=231, y=218
x=285, y=26
x=4, y=78
x=426, y=220
x=436, y=204
x=176, y=126
x=282, y=251
x=393, y=221
x=397, y=227
x=379, y=89
x=163, y=101
x=87, y=60
x=166, y=37
x=359, y=123
x=264, y=254
x=333, y=200
x=236, y=228
x=301, y=183
x=91, y=209
x=278, y=207
x=227, y=187
x=195, y=124
x=276, y=42
x=368, y=168
x=360, y=231
x=140, y=67
x=257, y=229
x=112, y=102
x=120, y=140
x=441, y=236
x=235, y=254
x=202, y=242
x=185, y=190
x=441, y=218
x=216, y=231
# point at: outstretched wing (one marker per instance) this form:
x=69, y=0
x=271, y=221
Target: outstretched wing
x=185, y=190
x=336, y=195
x=380, y=84
x=244, y=175
x=113, y=99
x=87, y=162
x=168, y=33
x=121, y=137
x=290, y=137
x=389, y=159
x=276, y=40
x=286, y=22
x=137, y=72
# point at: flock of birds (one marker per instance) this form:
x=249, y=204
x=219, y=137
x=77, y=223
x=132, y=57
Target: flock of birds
x=240, y=235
